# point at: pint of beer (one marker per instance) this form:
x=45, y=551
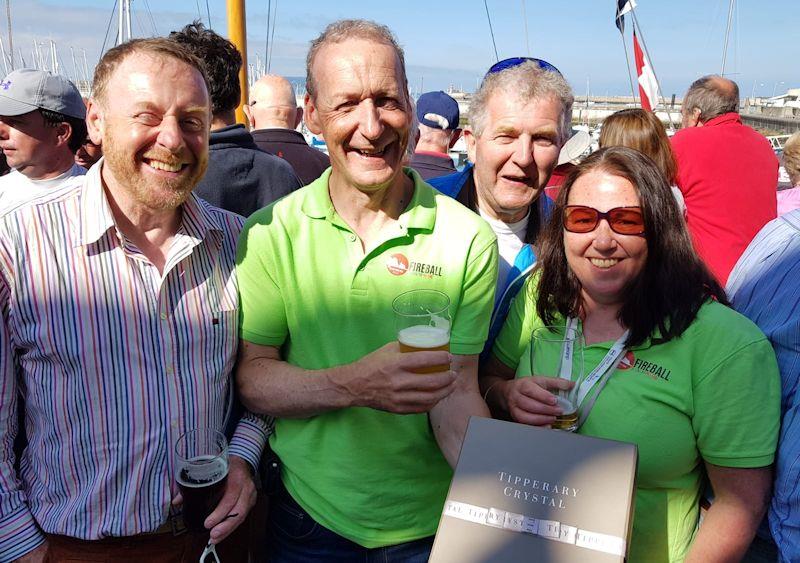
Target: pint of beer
x=422, y=320
x=547, y=358
x=201, y=472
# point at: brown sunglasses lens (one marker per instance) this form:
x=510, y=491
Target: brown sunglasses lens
x=625, y=221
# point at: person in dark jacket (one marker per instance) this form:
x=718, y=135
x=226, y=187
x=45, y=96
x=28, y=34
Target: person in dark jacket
x=438, y=117
x=241, y=177
x=274, y=117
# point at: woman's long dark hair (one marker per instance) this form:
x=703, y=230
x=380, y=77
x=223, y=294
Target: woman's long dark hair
x=674, y=282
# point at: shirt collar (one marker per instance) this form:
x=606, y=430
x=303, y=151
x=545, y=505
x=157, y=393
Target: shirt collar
x=420, y=213
x=730, y=117
x=96, y=217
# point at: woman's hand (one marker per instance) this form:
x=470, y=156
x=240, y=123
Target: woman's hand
x=530, y=400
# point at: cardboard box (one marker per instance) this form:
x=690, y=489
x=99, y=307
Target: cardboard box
x=521, y=493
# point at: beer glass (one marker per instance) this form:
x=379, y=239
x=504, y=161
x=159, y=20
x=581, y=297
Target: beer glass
x=201, y=464
x=422, y=321
x=547, y=356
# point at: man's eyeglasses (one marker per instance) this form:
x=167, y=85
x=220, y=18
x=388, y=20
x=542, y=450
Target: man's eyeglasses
x=622, y=220
x=516, y=61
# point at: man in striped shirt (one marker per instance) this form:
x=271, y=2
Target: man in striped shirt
x=119, y=329
x=763, y=287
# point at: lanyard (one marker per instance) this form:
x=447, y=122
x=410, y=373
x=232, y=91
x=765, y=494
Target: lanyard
x=600, y=373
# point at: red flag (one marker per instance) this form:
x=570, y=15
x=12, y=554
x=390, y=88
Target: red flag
x=648, y=86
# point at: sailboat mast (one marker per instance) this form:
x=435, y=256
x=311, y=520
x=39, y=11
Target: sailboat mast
x=10, y=38
x=237, y=34
x=727, y=36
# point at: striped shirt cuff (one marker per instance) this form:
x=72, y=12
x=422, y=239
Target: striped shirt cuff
x=19, y=535
x=250, y=437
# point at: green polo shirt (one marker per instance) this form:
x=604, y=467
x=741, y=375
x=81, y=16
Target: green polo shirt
x=306, y=285
x=713, y=394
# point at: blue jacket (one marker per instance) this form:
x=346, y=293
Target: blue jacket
x=461, y=186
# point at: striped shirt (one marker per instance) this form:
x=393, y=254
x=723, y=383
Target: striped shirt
x=113, y=360
x=765, y=287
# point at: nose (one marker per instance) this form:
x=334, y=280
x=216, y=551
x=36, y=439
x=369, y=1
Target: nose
x=523, y=152
x=604, y=237
x=370, y=123
x=170, y=135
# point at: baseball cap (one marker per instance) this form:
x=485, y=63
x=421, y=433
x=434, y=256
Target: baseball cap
x=437, y=110
x=28, y=89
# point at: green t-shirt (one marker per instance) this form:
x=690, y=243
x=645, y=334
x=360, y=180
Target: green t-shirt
x=306, y=284
x=713, y=394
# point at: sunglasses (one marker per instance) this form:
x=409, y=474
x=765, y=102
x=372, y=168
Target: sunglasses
x=622, y=220
x=516, y=61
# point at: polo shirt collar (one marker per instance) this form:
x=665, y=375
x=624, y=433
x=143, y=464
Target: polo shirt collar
x=96, y=218
x=420, y=213
x=730, y=117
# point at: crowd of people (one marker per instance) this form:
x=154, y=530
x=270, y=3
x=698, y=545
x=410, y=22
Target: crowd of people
x=164, y=268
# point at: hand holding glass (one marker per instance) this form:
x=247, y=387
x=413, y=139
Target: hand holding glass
x=422, y=321
x=547, y=358
x=201, y=459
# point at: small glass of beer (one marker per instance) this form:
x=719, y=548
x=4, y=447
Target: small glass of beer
x=547, y=356
x=422, y=320
x=201, y=465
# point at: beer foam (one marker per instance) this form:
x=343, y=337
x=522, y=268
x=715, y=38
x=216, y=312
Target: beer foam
x=422, y=336
x=202, y=471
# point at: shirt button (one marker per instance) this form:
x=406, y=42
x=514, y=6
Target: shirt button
x=352, y=238
x=163, y=316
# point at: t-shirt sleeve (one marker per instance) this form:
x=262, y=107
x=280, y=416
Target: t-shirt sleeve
x=471, y=321
x=262, y=317
x=737, y=408
x=516, y=332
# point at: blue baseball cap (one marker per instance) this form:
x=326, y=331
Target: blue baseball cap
x=437, y=110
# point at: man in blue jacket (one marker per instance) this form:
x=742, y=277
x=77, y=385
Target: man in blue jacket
x=241, y=177
x=519, y=119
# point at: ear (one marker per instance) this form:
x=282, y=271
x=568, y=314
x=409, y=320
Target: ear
x=455, y=137
x=311, y=115
x=95, y=121
x=298, y=117
x=63, y=132
x=249, y=113
x=472, y=142
x=696, y=117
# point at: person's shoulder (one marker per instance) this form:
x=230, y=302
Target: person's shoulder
x=719, y=326
x=451, y=184
x=459, y=218
x=286, y=210
x=272, y=165
x=28, y=204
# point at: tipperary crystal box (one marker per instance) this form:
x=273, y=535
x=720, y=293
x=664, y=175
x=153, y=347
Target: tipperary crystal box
x=521, y=493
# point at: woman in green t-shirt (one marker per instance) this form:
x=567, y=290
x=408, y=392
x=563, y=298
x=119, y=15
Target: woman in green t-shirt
x=695, y=385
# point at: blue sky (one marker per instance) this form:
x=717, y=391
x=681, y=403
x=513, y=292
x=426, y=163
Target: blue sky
x=449, y=43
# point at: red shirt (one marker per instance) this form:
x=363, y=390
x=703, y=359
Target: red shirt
x=728, y=175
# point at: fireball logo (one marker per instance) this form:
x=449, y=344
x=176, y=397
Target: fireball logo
x=627, y=361
x=397, y=264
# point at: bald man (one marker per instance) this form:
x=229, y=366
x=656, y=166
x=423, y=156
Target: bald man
x=727, y=173
x=274, y=117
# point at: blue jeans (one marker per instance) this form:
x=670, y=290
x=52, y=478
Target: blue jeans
x=295, y=537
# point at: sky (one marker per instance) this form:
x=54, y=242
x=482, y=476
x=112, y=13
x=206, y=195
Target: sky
x=449, y=43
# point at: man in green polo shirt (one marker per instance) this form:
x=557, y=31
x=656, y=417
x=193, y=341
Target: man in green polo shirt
x=366, y=445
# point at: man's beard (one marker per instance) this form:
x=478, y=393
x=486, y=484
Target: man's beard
x=170, y=192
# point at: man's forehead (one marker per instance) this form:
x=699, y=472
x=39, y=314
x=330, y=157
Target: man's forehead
x=354, y=56
x=144, y=76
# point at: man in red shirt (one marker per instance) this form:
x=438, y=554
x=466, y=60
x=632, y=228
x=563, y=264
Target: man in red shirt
x=727, y=173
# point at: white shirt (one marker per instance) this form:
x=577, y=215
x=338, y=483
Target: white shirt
x=510, y=240
x=16, y=188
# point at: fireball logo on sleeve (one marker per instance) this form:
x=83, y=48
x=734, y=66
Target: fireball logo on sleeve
x=397, y=264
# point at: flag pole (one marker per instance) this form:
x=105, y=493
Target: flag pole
x=628, y=66
x=652, y=67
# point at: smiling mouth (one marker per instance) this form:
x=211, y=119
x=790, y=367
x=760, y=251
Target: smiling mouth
x=604, y=263
x=518, y=179
x=371, y=153
x=165, y=166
